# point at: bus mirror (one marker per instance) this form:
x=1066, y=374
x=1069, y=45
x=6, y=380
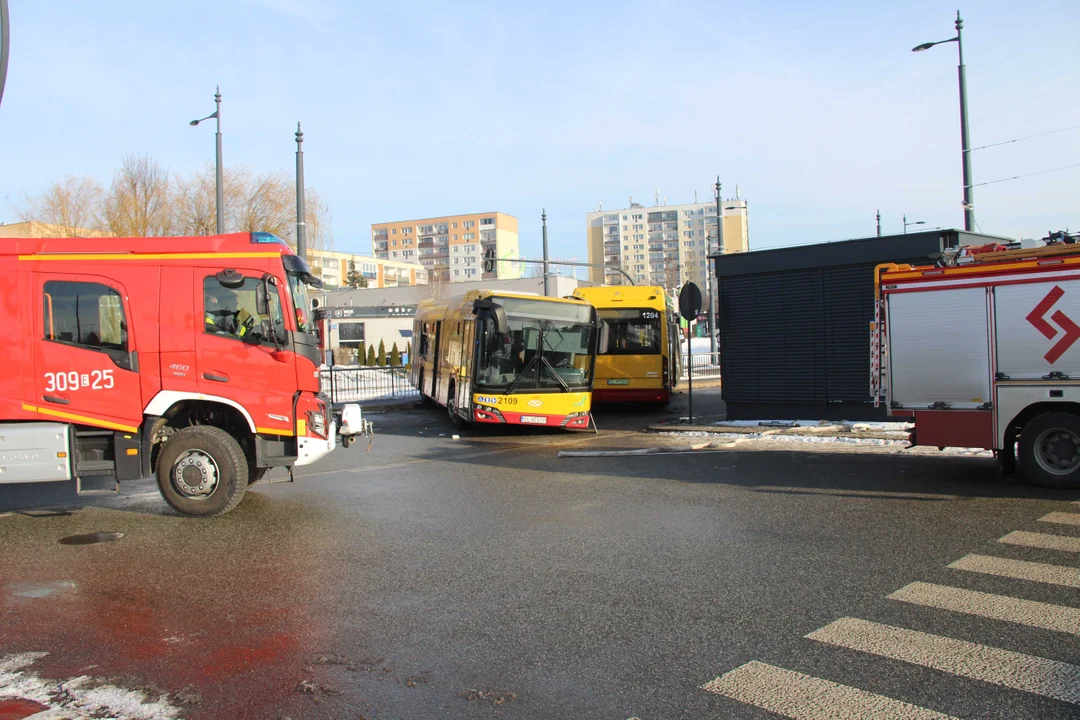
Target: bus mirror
x=496, y=312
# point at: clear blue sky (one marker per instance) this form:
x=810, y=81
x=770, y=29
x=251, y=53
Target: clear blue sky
x=819, y=110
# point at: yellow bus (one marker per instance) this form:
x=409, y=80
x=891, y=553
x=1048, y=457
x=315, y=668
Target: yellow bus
x=503, y=357
x=638, y=357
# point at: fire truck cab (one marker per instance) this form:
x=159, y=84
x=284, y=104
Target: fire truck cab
x=981, y=351
x=192, y=358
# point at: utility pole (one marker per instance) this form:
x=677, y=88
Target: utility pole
x=218, y=171
x=301, y=225
x=543, y=219
x=5, y=42
x=879, y=223
x=708, y=267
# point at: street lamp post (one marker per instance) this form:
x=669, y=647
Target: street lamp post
x=301, y=212
x=217, y=174
x=969, y=208
x=5, y=42
x=914, y=222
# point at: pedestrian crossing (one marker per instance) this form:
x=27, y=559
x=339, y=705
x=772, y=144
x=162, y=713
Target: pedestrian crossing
x=795, y=695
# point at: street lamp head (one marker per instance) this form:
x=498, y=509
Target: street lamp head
x=193, y=123
x=924, y=46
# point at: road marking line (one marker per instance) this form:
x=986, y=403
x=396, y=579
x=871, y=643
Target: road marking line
x=996, y=607
x=1019, y=569
x=456, y=456
x=804, y=697
x=1042, y=540
x=1061, y=518
x=1017, y=671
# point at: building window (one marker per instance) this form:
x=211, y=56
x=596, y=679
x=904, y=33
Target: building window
x=457, y=273
x=89, y=315
x=468, y=224
x=468, y=236
x=393, y=231
x=350, y=334
x=487, y=221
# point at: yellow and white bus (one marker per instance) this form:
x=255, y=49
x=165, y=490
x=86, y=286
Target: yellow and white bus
x=503, y=357
x=638, y=358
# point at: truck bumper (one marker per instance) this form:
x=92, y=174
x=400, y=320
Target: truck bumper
x=312, y=449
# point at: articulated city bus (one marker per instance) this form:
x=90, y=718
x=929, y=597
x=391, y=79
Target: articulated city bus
x=639, y=358
x=502, y=357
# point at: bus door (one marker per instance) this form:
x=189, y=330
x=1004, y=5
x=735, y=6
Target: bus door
x=468, y=363
x=436, y=365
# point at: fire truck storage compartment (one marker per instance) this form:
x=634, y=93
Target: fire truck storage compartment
x=939, y=348
x=1032, y=319
x=35, y=452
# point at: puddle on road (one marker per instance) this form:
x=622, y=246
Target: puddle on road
x=91, y=538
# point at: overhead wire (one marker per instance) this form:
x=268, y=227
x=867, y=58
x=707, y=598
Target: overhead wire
x=1028, y=137
x=1017, y=177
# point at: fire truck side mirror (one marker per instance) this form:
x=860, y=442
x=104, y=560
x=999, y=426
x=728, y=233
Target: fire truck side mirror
x=262, y=299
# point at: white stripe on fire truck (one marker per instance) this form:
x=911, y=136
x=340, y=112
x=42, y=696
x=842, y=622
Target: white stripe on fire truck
x=1028, y=673
x=1019, y=569
x=804, y=697
x=996, y=607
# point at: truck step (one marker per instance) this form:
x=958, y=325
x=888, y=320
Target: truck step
x=96, y=485
x=95, y=467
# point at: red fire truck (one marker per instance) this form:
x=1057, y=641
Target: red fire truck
x=981, y=351
x=194, y=358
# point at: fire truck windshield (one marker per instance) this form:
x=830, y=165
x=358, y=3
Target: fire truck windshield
x=300, y=277
x=302, y=303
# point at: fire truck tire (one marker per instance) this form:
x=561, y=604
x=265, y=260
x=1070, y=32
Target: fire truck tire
x=1050, y=450
x=202, y=471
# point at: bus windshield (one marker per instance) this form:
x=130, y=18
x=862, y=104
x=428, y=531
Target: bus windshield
x=544, y=346
x=631, y=331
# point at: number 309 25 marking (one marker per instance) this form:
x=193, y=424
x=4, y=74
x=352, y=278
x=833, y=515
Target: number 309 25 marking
x=65, y=381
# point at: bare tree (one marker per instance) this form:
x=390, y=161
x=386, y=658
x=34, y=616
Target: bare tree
x=139, y=202
x=72, y=206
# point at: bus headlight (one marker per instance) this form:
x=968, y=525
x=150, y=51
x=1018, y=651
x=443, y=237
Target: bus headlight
x=575, y=420
x=482, y=413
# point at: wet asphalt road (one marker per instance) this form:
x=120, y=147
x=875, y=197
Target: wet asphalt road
x=486, y=577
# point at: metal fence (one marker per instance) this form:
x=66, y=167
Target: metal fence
x=354, y=383
x=706, y=365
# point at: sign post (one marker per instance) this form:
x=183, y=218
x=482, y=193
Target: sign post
x=689, y=307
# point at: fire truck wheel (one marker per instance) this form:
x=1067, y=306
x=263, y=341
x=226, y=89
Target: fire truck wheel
x=202, y=471
x=1050, y=450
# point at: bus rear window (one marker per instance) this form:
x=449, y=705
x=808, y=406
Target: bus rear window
x=631, y=331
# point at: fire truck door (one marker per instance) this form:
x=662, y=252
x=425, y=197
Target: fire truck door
x=84, y=353
x=236, y=353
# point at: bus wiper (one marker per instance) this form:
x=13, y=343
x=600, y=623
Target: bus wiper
x=517, y=378
x=565, y=387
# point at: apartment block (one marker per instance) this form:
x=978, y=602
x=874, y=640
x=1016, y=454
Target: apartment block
x=333, y=268
x=452, y=248
x=665, y=245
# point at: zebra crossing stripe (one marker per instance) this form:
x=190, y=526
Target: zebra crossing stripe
x=1042, y=540
x=1062, y=518
x=1019, y=569
x=996, y=607
x=804, y=697
x=1017, y=671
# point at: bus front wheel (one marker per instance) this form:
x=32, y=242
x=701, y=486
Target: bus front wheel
x=452, y=409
